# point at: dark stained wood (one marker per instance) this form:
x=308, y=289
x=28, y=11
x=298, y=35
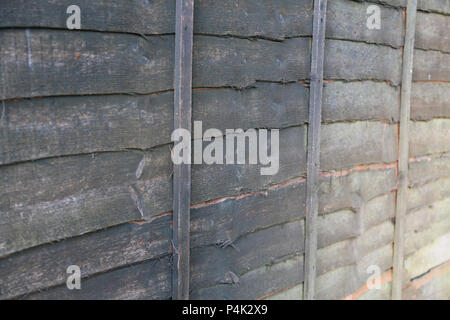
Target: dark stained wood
x=54, y=126
x=96, y=252
x=182, y=172
x=149, y=280
x=405, y=115
x=252, y=18
x=313, y=166
x=39, y=62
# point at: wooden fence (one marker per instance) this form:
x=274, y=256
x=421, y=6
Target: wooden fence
x=86, y=176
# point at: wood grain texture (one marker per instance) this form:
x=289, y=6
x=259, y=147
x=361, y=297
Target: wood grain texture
x=56, y=62
x=149, y=280
x=405, y=115
x=252, y=18
x=70, y=196
x=182, y=172
x=39, y=128
x=350, y=60
x=45, y=266
x=313, y=160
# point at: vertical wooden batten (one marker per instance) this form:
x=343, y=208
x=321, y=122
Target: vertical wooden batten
x=313, y=165
x=182, y=172
x=405, y=111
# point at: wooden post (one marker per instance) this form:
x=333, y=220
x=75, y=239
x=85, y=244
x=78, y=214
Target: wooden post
x=182, y=172
x=313, y=166
x=408, y=54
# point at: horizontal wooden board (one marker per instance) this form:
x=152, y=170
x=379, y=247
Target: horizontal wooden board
x=69, y=196
x=441, y=6
x=430, y=100
x=217, y=181
x=429, y=137
x=345, y=145
x=431, y=65
x=358, y=250
x=349, y=60
x=56, y=62
x=343, y=281
x=360, y=100
x=424, y=195
x=250, y=18
x=45, y=266
x=354, y=189
x=347, y=19
x=226, y=264
x=257, y=283
x=228, y=220
x=79, y=194
x=432, y=31
x=35, y=128
x=428, y=169
x=145, y=281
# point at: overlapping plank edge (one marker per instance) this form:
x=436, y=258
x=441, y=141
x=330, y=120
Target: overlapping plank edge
x=228, y=226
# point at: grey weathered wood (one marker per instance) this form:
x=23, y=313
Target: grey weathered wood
x=430, y=100
x=70, y=196
x=253, y=18
x=224, y=264
x=403, y=150
x=360, y=100
x=431, y=65
x=432, y=31
x=95, y=252
x=345, y=145
x=346, y=19
x=149, y=280
x=350, y=60
x=313, y=166
x=257, y=283
x=53, y=126
x=231, y=219
x=182, y=172
x=39, y=62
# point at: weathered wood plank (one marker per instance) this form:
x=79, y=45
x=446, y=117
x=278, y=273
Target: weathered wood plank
x=429, y=137
x=149, y=280
x=313, y=160
x=56, y=62
x=361, y=100
x=257, y=283
x=252, y=18
x=228, y=220
x=350, y=60
x=428, y=169
x=45, y=266
x=431, y=65
x=432, y=31
x=353, y=190
x=430, y=100
x=36, y=128
x=182, y=171
x=70, y=196
x=405, y=115
x=217, y=181
x=73, y=195
x=225, y=264
x=347, y=19
x=231, y=221
x=345, y=145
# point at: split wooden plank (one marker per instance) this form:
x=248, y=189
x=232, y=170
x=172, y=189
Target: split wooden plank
x=182, y=172
x=403, y=149
x=313, y=165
